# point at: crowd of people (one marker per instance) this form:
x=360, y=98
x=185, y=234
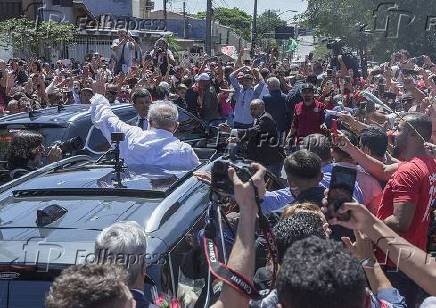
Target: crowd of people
x=297, y=121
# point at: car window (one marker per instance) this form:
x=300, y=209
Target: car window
x=96, y=142
x=50, y=134
x=189, y=126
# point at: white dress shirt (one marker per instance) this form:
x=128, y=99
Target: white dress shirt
x=152, y=147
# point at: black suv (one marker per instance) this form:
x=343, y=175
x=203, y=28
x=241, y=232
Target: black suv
x=49, y=219
x=64, y=123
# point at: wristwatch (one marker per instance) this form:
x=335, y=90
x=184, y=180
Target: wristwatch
x=368, y=262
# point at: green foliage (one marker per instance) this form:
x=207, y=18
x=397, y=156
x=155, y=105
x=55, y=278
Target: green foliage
x=320, y=52
x=173, y=44
x=29, y=38
x=337, y=18
x=234, y=18
x=266, y=25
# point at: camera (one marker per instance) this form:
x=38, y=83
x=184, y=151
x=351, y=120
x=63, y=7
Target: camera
x=221, y=183
x=71, y=145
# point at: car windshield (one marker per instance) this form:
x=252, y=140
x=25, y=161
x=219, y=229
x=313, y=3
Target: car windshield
x=51, y=134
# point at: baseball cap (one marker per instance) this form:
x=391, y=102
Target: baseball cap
x=307, y=86
x=202, y=76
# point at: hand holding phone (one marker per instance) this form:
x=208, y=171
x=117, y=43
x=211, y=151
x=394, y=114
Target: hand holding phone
x=340, y=191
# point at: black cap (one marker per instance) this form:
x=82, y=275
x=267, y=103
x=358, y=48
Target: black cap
x=307, y=86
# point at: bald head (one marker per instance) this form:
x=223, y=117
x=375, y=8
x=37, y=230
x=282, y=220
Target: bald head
x=257, y=108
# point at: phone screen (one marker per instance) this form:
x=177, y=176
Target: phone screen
x=340, y=189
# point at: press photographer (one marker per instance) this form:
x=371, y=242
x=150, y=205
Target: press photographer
x=27, y=153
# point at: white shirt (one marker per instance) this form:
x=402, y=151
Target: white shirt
x=152, y=147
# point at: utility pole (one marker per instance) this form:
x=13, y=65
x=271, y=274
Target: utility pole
x=208, y=41
x=254, y=30
x=184, y=21
x=165, y=13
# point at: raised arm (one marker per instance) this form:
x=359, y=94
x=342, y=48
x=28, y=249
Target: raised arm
x=370, y=164
x=104, y=119
x=412, y=261
x=243, y=252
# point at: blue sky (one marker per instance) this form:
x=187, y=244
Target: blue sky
x=193, y=6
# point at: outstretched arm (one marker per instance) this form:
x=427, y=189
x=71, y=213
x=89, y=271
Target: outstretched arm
x=104, y=119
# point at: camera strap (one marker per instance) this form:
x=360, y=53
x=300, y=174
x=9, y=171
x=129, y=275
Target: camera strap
x=218, y=269
x=265, y=226
x=221, y=271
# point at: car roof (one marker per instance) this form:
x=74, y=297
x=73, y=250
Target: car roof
x=53, y=116
x=89, y=186
x=152, y=198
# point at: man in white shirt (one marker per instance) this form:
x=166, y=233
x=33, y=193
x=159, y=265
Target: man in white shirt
x=156, y=146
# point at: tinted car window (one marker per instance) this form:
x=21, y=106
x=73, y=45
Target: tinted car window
x=189, y=126
x=51, y=134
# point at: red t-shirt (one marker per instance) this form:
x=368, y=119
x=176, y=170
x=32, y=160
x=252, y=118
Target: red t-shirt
x=414, y=182
x=308, y=119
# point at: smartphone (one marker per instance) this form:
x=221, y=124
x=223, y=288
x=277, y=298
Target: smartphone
x=340, y=191
x=247, y=62
x=329, y=73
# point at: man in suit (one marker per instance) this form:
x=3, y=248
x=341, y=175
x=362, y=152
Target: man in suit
x=276, y=104
x=261, y=140
x=141, y=100
x=126, y=239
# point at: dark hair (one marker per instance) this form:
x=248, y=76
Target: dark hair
x=375, y=139
x=318, y=144
x=319, y=273
x=297, y=227
x=20, y=149
x=354, y=141
x=303, y=164
x=89, y=286
x=139, y=94
x=161, y=93
x=38, y=65
x=421, y=122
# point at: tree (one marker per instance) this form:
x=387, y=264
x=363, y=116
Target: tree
x=234, y=18
x=30, y=38
x=337, y=18
x=266, y=25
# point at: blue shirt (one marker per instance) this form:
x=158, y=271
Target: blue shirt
x=243, y=99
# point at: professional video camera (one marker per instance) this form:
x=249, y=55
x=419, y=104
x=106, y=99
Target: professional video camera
x=338, y=48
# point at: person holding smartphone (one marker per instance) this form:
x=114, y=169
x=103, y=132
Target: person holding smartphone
x=122, y=48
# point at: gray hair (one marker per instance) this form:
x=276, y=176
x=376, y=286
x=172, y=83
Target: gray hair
x=163, y=114
x=273, y=83
x=259, y=102
x=123, y=243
